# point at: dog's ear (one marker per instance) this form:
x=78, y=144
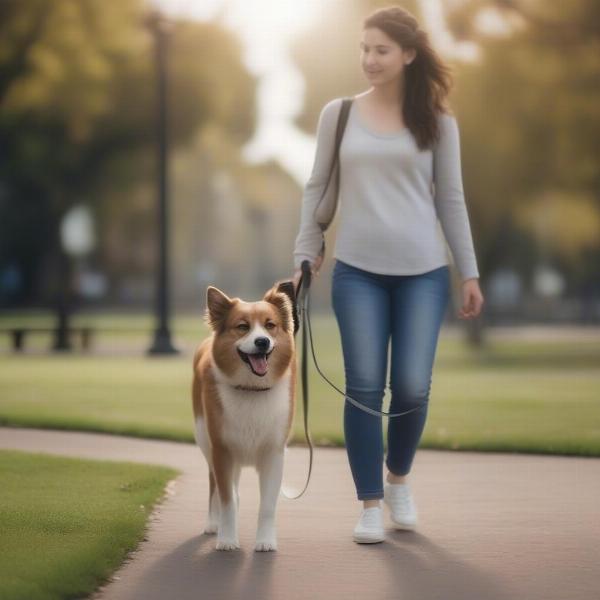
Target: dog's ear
x=218, y=305
x=284, y=303
x=287, y=287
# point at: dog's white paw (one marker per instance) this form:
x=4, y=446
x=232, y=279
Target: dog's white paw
x=211, y=528
x=265, y=545
x=266, y=535
x=227, y=544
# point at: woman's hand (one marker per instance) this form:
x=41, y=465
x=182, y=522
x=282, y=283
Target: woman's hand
x=472, y=299
x=314, y=269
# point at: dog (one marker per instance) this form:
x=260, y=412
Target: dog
x=243, y=394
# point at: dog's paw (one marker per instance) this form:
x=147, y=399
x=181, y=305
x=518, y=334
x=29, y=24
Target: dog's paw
x=265, y=545
x=211, y=528
x=227, y=544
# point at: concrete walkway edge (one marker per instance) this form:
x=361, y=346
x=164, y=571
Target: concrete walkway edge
x=494, y=526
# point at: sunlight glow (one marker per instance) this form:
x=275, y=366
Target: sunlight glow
x=266, y=29
x=274, y=22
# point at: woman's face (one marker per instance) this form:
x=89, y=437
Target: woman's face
x=382, y=58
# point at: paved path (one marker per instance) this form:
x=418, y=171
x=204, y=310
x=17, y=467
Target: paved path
x=493, y=527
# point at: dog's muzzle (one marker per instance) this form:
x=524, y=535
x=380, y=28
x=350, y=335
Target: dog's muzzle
x=257, y=361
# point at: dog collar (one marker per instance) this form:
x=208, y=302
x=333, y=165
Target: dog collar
x=251, y=389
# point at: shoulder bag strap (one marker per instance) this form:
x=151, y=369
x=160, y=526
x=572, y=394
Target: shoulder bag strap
x=339, y=134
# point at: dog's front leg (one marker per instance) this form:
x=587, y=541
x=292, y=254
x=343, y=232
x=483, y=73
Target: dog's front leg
x=212, y=524
x=270, y=472
x=227, y=536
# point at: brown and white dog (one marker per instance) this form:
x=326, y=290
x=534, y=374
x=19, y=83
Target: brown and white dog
x=244, y=401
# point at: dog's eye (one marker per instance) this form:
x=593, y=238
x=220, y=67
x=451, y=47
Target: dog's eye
x=242, y=327
x=270, y=325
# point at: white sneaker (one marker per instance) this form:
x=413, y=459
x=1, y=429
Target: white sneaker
x=369, y=529
x=399, y=500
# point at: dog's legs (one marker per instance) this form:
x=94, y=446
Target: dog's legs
x=213, y=506
x=270, y=472
x=237, y=470
x=202, y=440
x=227, y=536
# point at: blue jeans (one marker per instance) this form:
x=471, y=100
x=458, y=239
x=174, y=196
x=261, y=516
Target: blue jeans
x=370, y=308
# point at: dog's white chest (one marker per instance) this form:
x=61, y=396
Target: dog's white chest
x=253, y=420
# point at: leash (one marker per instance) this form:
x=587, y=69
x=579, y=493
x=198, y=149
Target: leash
x=301, y=306
x=301, y=301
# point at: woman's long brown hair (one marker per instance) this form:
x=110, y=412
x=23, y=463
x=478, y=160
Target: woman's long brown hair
x=427, y=79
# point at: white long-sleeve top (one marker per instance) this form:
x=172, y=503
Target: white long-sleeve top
x=391, y=197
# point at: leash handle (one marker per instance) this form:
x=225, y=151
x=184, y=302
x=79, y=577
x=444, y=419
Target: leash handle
x=303, y=283
x=305, y=266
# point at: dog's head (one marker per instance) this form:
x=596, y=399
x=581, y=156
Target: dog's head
x=253, y=342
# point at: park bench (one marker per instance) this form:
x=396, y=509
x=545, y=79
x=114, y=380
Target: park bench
x=18, y=334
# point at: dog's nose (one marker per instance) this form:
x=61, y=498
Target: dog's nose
x=262, y=343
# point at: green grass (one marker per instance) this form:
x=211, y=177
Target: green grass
x=66, y=524
x=514, y=395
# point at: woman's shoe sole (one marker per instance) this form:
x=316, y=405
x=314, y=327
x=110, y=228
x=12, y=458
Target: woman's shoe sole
x=361, y=540
x=405, y=526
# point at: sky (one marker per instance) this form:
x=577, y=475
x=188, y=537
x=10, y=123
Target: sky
x=267, y=28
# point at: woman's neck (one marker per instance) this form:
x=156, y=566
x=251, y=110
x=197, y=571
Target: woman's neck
x=390, y=94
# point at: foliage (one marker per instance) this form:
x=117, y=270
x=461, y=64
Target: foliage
x=530, y=120
x=78, y=105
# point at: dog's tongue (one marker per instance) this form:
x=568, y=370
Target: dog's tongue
x=258, y=362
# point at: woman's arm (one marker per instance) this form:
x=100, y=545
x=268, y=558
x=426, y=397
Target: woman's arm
x=449, y=198
x=309, y=238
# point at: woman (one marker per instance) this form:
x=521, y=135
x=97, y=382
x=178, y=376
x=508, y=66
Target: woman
x=399, y=173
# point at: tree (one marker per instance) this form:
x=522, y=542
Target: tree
x=77, y=102
x=531, y=132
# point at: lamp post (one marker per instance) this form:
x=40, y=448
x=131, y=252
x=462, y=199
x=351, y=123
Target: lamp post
x=160, y=28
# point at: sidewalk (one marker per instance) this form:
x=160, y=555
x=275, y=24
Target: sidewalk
x=492, y=526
